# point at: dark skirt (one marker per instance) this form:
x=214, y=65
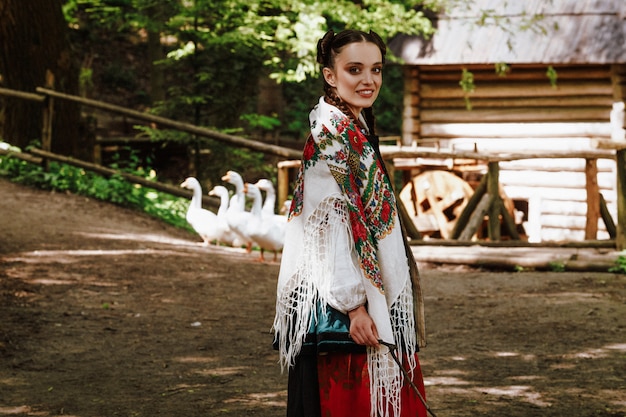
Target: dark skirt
x=303, y=398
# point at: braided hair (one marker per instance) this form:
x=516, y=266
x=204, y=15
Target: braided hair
x=328, y=47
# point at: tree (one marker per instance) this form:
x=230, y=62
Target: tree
x=34, y=41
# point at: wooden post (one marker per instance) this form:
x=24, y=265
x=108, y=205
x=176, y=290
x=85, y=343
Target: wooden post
x=606, y=217
x=46, y=131
x=391, y=171
x=593, y=203
x=407, y=222
x=507, y=220
x=483, y=207
x=410, y=112
x=618, y=77
x=462, y=221
x=283, y=180
x=48, y=115
x=620, y=238
x=493, y=188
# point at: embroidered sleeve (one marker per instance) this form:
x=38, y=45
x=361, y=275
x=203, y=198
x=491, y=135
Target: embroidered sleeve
x=346, y=291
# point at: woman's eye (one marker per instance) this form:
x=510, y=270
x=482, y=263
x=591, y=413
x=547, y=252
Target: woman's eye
x=354, y=70
x=377, y=70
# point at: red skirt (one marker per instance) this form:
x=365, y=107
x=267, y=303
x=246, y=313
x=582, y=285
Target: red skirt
x=344, y=387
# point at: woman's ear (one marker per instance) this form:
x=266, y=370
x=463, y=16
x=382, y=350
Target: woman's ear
x=329, y=76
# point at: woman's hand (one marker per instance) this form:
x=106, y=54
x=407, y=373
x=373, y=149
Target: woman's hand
x=362, y=327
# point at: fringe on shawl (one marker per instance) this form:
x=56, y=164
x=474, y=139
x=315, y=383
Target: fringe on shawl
x=386, y=379
x=312, y=280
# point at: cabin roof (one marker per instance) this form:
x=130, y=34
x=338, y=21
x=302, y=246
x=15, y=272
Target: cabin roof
x=567, y=32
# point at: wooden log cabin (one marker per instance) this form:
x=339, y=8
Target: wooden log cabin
x=559, y=85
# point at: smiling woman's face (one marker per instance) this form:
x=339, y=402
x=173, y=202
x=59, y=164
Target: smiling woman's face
x=357, y=76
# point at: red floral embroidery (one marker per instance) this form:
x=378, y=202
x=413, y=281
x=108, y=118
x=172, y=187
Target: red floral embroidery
x=385, y=211
x=309, y=150
x=359, y=230
x=355, y=140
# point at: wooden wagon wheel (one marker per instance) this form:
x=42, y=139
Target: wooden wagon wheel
x=434, y=200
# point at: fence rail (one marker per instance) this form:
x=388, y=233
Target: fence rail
x=183, y=127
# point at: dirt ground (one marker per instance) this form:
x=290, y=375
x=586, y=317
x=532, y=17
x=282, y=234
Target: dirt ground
x=106, y=312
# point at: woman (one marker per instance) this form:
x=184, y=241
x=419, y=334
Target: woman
x=345, y=260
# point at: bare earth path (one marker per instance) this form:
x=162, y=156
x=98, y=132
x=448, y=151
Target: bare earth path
x=106, y=312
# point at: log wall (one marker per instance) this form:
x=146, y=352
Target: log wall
x=583, y=96
x=522, y=111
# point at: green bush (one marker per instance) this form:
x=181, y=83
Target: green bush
x=620, y=265
x=114, y=189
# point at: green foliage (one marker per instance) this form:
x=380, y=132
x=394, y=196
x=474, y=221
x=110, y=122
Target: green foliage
x=214, y=158
x=468, y=86
x=552, y=75
x=116, y=15
x=118, y=77
x=620, y=265
x=502, y=69
x=299, y=100
x=213, y=67
x=260, y=121
x=85, y=79
x=251, y=165
x=557, y=266
x=67, y=178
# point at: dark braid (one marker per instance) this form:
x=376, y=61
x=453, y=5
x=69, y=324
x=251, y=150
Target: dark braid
x=328, y=47
x=333, y=99
x=370, y=119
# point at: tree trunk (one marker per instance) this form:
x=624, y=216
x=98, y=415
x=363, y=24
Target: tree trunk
x=157, y=76
x=33, y=39
x=156, y=52
x=270, y=103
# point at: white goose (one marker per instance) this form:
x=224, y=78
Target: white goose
x=201, y=220
x=269, y=203
x=266, y=231
x=236, y=216
x=225, y=235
